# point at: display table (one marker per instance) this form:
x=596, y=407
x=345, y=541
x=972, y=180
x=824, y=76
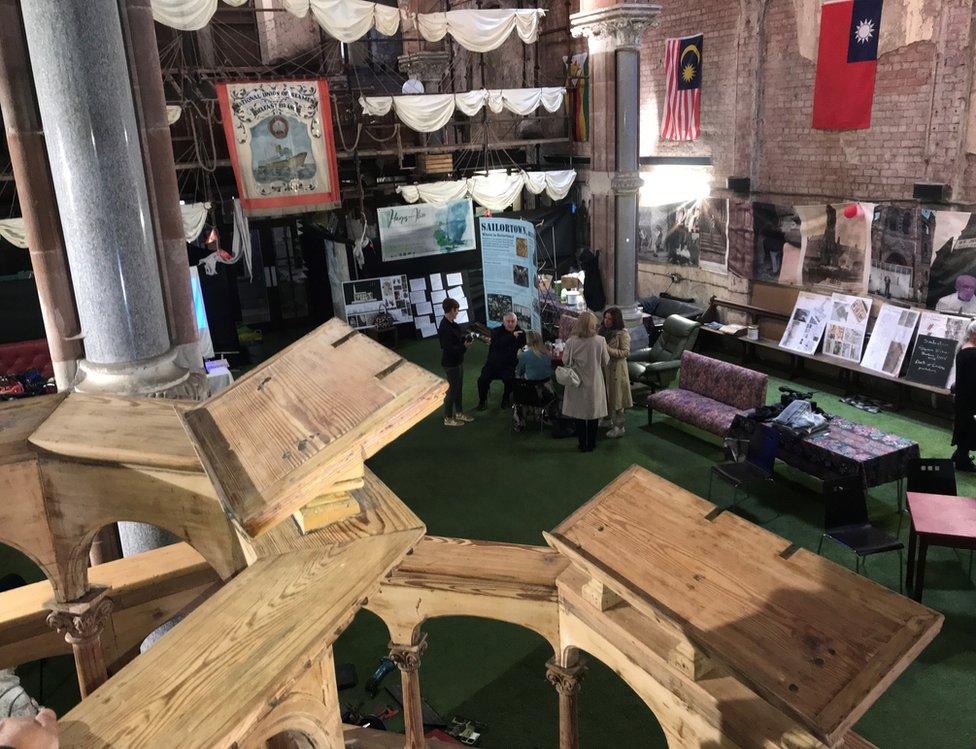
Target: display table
x=845, y=448
x=937, y=520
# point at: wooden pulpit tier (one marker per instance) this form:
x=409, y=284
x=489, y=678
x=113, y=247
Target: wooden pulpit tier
x=764, y=638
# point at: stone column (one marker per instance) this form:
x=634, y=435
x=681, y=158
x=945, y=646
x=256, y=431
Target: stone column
x=613, y=34
x=81, y=622
x=84, y=94
x=139, y=31
x=426, y=66
x=567, y=680
x=32, y=173
x=407, y=659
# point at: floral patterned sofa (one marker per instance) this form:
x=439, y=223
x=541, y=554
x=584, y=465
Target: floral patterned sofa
x=710, y=393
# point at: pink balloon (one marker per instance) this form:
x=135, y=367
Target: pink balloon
x=852, y=210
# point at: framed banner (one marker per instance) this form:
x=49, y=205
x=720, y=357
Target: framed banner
x=279, y=134
x=423, y=229
x=508, y=260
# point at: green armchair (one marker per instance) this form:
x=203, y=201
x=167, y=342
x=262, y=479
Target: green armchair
x=656, y=366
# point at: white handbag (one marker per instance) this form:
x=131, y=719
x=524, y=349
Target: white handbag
x=568, y=377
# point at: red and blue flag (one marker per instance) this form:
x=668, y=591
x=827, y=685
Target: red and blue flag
x=847, y=63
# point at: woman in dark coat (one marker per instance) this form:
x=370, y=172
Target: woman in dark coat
x=964, y=425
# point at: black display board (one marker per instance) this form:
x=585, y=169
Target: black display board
x=932, y=360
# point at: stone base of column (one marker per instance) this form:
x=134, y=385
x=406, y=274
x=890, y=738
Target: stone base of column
x=158, y=377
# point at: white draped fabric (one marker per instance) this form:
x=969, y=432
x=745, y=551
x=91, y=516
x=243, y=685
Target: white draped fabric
x=194, y=217
x=173, y=112
x=349, y=20
x=427, y=113
x=187, y=15
x=495, y=190
x=12, y=229
x=481, y=30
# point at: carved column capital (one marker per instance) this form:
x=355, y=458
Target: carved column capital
x=626, y=183
x=427, y=66
x=81, y=621
x=566, y=679
x=618, y=27
x=407, y=657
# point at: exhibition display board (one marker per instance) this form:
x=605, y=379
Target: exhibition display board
x=508, y=258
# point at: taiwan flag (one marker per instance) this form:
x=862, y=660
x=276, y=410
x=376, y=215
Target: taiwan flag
x=846, y=64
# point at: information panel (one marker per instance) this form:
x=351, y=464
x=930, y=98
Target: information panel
x=508, y=257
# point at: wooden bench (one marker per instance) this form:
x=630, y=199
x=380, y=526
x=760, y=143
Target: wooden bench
x=850, y=372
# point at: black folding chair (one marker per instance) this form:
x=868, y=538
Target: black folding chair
x=757, y=466
x=846, y=523
x=530, y=397
x=934, y=476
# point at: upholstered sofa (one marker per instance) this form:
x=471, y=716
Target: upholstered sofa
x=17, y=358
x=710, y=393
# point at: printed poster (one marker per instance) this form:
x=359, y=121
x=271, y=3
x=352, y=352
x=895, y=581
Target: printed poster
x=952, y=277
x=901, y=252
x=933, y=358
x=836, y=249
x=670, y=233
x=279, y=134
x=847, y=326
x=776, y=230
x=807, y=323
x=367, y=297
x=408, y=231
x=890, y=339
x=508, y=260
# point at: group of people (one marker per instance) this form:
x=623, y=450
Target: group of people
x=597, y=395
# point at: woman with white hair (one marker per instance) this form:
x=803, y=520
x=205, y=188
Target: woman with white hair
x=964, y=425
x=586, y=354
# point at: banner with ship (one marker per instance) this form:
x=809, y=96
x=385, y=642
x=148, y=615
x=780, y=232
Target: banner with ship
x=279, y=134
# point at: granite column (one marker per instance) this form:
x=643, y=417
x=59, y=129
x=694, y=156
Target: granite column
x=84, y=94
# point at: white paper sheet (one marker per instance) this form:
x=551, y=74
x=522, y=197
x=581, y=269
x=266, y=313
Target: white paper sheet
x=435, y=282
x=437, y=321
x=461, y=317
x=418, y=321
x=438, y=296
x=456, y=293
x=462, y=304
x=424, y=308
x=418, y=284
x=418, y=297
x=427, y=330
x=454, y=279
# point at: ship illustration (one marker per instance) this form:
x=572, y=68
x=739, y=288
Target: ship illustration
x=283, y=159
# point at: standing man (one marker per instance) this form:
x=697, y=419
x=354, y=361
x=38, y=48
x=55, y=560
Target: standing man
x=502, y=358
x=454, y=344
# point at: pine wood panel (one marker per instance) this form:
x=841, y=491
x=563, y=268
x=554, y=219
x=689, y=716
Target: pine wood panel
x=18, y=420
x=210, y=680
x=285, y=432
x=382, y=512
x=813, y=639
x=146, y=590
x=113, y=429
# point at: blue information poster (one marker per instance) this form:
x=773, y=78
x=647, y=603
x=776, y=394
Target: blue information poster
x=508, y=258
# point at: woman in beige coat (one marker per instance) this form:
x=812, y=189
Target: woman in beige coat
x=586, y=354
x=615, y=373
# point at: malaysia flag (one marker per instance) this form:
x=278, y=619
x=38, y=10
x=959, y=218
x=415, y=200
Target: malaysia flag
x=682, y=97
x=846, y=64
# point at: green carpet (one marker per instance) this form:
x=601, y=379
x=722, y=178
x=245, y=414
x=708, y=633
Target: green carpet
x=482, y=481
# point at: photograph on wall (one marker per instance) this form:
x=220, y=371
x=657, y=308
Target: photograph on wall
x=367, y=297
x=741, y=238
x=669, y=233
x=713, y=234
x=890, y=339
x=901, y=252
x=578, y=94
x=279, y=135
x=847, y=326
x=934, y=356
x=776, y=232
x=508, y=260
x=836, y=246
x=952, y=277
x=806, y=326
x=423, y=229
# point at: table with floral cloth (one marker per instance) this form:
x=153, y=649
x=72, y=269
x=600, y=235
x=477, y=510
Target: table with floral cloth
x=842, y=449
